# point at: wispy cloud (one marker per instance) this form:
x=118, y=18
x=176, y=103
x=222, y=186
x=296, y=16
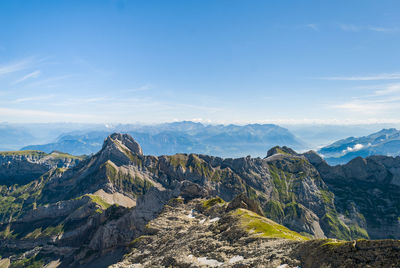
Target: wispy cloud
x=383, y=99
x=357, y=28
x=26, y=115
x=383, y=76
x=383, y=29
x=368, y=107
x=35, y=98
x=15, y=66
x=349, y=27
x=313, y=26
x=387, y=90
x=82, y=101
x=145, y=87
x=34, y=74
x=48, y=82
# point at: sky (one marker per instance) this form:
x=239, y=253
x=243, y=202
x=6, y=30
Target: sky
x=212, y=61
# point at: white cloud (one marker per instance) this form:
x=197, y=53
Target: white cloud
x=384, y=76
x=34, y=74
x=15, y=66
x=36, y=98
x=355, y=148
x=383, y=99
x=349, y=27
x=142, y=88
x=387, y=90
x=313, y=26
x=49, y=82
x=363, y=107
x=382, y=29
x=356, y=28
x=26, y=115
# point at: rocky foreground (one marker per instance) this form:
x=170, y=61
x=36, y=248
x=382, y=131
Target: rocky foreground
x=211, y=233
x=123, y=208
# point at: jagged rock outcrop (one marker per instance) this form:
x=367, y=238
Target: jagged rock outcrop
x=242, y=201
x=21, y=167
x=96, y=208
x=366, y=192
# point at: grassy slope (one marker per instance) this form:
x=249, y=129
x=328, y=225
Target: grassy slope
x=264, y=227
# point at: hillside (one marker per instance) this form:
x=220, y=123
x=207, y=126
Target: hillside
x=120, y=201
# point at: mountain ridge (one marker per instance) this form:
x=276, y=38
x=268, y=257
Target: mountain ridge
x=105, y=201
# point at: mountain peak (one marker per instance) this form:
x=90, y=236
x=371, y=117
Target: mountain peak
x=125, y=140
x=280, y=150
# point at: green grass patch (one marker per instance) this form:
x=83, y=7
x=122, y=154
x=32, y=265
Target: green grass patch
x=99, y=201
x=273, y=210
x=334, y=243
x=335, y=227
x=253, y=223
x=60, y=155
x=34, y=234
x=212, y=202
x=7, y=233
x=178, y=160
x=53, y=230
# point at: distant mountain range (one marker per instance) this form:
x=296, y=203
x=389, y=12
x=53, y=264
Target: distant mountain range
x=220, y=140
x=385, y=142
x=182, y=137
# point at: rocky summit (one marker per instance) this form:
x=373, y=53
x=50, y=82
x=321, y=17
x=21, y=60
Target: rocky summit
x=121, y=208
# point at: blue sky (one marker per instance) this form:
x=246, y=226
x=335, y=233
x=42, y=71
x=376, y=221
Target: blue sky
x=212, y=61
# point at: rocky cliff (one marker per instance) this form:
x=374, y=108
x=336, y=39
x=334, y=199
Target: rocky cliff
x=21, y=167
x=89, y=213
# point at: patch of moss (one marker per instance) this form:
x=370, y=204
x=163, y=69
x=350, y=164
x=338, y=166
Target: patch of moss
x=335, y=227
x=326, y=197
x=33, y=262
x=280, y=151
x=7, y=233
x=199, y=166
x=253, y=223
x=176, y=201
x=334, y=243
x=212, y=202
x=127, y=182
x=358, y=232
x=178, y=160
x=251, y=193
x=273, y=210
x=60, y=155
x=34, y=234
x=283, y=184
x=137, y=240
x=13, y=199
x=53, y=230
x=292, y=210
x=99, y=201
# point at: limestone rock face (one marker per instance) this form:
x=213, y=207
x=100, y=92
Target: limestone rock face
x=242, y=201
x=367, y=190
x=125, y=140
x=93, y=209
x=25, y=166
